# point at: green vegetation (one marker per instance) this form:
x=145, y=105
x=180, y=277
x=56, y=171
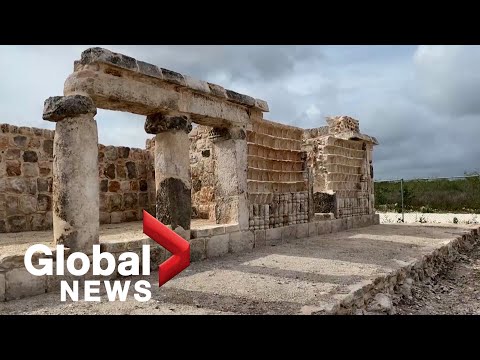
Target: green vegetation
x=456, y=195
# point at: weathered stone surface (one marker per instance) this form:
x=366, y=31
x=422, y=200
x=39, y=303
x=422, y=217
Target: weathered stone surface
x=28, y=204
x=123, y=152
x=57, y=108
x=130, y=201
x=159, y=122
x=75, y=182
x=323, y=202
x=111, y=153
x=13, y=168
x=262, y=105
x=30, y=156
x=20, y=283
x=48, y=147
x=174, y=203
x=302, y=231
x=115, y=202
x=104, y=185
x=217, y=245
x=113, y=186
x=2, y=287
x=20, y=141
x=17, y=223
x=241, y=241
x=273, y=236
x=289, y=233
x=197, y=249
x=12, y=154
x=30, y=170
x=44, y=202
x=381, y=303
x=260, y=238
x=131, y=170
x=109, y=171
x=240, y=98
x=173, y=77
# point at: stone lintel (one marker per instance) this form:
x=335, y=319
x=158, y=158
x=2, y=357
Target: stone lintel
x=134, y=95
x=104, y=56
x=57, y=108
x=157, y=123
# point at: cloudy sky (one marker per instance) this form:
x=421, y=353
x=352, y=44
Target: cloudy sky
x=421, y=102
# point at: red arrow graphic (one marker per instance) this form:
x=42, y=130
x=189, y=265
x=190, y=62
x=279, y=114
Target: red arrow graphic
x=170, y=240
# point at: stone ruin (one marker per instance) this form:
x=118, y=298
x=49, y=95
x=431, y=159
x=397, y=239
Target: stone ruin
x=259, y=181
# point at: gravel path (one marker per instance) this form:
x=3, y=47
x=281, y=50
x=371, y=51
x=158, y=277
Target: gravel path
x=455, y=292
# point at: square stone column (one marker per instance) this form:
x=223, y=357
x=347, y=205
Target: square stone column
x=172, y=168
x=231, y=165
x=75, y=171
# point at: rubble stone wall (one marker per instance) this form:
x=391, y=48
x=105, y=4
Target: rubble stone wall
x=277, y=178
x=203, y=173
x=26, y=160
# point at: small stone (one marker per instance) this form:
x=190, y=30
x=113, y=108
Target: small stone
x=13, y=168
x=143, y=185
x=109, y=171
x=30, y=156
x=28, y=204
x=44, y=202
x=113, y=186
x=121, y=173
x=20, y=141
x=130, y=201
x=381, y=303
x=30, y=170
x=57, y=108
x=17, y=223
x=123, y=152
x=143, y=200
x=131, y=170
x=48, y=147
x=134, y=185
x=115, y=203
x=111, y=153
x=104, y=185
x=12, y=154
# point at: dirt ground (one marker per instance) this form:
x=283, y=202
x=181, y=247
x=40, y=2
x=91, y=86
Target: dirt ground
x=454, y=292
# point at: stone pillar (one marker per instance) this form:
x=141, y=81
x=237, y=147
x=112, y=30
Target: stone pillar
x=231, y=164
x=75, y=171
x=172, y=168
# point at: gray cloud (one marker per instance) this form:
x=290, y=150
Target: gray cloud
x=420, y=102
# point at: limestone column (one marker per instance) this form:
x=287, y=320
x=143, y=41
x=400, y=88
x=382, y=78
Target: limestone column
x=75, y=171
x=231, y=164
x=172, y=168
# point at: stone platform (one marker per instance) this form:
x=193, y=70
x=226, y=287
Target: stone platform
x=332, y=273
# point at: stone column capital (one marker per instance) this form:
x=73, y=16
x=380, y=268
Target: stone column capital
x=57, y=108
x=158, y=123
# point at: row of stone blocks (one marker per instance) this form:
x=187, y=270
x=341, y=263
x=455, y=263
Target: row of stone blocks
x=256, y=162
x=276, y=130
x=268, y=175
x=16, y=282
x=255, y=186
x=273, y=141
x=274, y=153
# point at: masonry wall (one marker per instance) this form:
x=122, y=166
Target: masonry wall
x=342, y=171
x=277, y=178
x=202, y=168
x=26, y=159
